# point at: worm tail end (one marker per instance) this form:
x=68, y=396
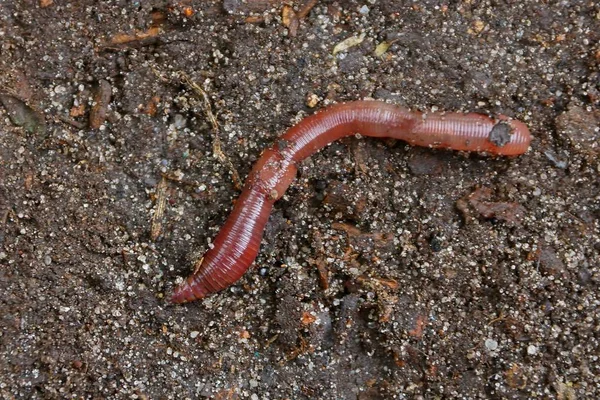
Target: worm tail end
x=188, y=290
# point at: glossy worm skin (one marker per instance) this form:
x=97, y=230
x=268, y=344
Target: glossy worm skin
x=237, y=244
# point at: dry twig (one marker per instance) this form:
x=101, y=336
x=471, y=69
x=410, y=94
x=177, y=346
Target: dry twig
x=161, y=202
x=217, y=150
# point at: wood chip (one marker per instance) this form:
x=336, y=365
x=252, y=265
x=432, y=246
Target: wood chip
x=101, y=98
x=124, y=38
x=290, y=19
x=305, y=9
x=323, y=273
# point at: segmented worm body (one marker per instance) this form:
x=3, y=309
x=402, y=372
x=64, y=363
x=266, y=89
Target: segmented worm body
x=237, y=244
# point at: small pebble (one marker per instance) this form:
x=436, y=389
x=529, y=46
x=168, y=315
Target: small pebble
x=179, y=121
x=194, y=334
x=491, y=344
x=532, y=350
x=558, y=162
x=312, y=100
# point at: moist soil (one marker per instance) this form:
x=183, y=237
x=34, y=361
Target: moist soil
x=386, y=271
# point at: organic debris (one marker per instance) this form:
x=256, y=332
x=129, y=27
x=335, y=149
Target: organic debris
x=22, y=115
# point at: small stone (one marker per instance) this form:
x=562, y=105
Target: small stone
x=491, y=344
x=312, y=100
x=194, y=334
x=556, y=160
x=253, y=383
x=532, y=350
x=179, y=121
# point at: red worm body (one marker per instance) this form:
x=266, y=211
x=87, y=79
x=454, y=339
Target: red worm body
x=237, y=244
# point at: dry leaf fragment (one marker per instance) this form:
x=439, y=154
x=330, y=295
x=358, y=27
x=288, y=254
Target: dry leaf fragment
x=389, y=283
x=308, y=318
x=348, y=43
x=21, y=114
x=77, y=111
x=244, y=334
x=382, y=48
x=515, y=377
x=151, y=107
x=420, y=322
x=476, y=27
x=479, y=200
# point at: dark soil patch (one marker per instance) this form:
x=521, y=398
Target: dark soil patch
x=379, y=277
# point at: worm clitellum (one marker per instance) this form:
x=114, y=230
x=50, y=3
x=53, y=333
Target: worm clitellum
x=237, y=244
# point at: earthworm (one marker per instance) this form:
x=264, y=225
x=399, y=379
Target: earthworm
x=237, y=244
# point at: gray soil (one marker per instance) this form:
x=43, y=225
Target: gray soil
x=386, y=271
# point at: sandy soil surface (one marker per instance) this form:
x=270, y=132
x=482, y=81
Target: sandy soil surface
x=386, y=271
